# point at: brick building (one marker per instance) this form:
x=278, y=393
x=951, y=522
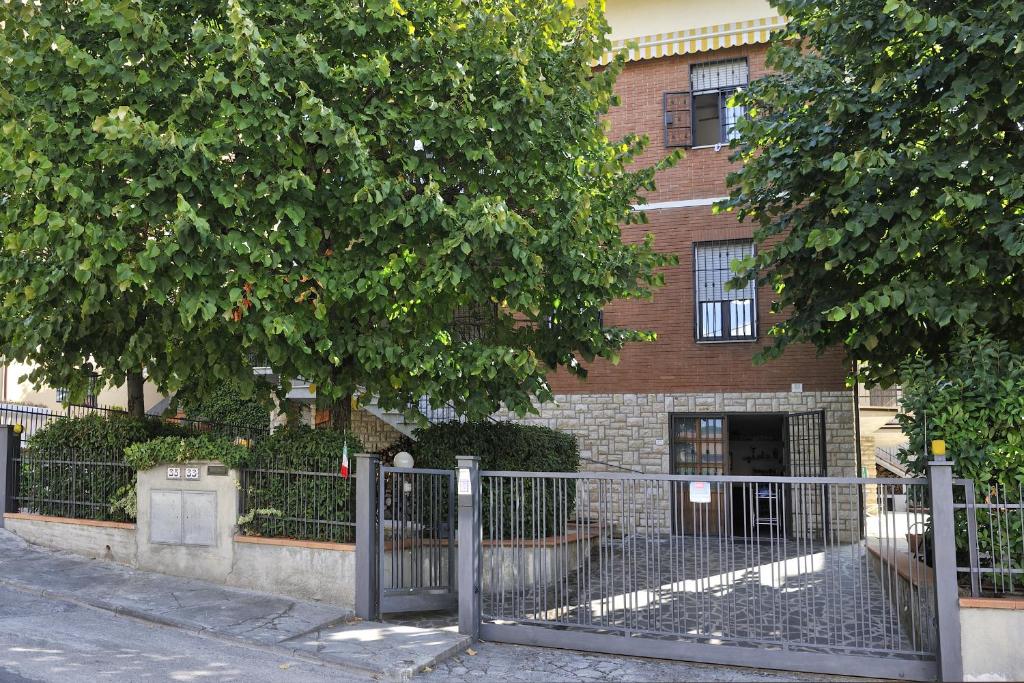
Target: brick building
x=693, y=401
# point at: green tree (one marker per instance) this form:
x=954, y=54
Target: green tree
x=400, y=199
x=883, y=168
x=93, y=252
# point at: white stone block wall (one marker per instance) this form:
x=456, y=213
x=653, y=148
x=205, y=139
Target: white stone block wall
x=631, y=431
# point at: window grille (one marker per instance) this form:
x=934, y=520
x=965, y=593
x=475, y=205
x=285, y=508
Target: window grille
x=723, y=315
x=712, y=85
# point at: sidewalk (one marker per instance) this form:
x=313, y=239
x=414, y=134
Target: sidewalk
x=308, y=630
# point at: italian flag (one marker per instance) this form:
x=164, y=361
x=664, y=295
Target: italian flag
x=344, y=460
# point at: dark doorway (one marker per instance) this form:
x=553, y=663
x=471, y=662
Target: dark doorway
x=748, y=445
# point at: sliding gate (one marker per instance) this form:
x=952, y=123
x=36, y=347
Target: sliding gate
x=589, y=561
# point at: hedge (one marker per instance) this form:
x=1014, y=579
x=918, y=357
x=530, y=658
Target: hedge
x=75, y=466
x=292, y=487
x=509, y=446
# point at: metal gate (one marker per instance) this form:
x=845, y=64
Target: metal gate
x=805, y=444
x=589, y=561
x=416, y=526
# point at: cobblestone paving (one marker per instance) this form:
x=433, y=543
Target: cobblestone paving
x=498, y=662
x=823, y=598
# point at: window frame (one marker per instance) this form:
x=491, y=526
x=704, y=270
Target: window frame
x=723, y=136
x=727, y=336
x=698, y=467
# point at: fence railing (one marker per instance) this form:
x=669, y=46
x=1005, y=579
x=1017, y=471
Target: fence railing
x=283, y=503
x=73, y=482
x=990, y=537
x=32, y=419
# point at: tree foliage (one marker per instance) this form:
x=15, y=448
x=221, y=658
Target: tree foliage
x=222, y=404
x=883, y=166
x=974, y=400
x=328, y=185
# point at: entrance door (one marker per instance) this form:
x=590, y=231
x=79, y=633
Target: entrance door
x=808, y=514
x=699, y=446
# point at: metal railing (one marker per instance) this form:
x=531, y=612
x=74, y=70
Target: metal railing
x=285, y=503
x=777, y=563
x=32, y=419
x=990, y=537
x=816, y=574
x=416, y=527
x=73, y=482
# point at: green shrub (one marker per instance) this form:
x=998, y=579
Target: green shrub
x=500, y=446
x=512, y=507
x=292, y=487
x=115, y=431
x=178, y=449
x=75, y=467
x=972, y=400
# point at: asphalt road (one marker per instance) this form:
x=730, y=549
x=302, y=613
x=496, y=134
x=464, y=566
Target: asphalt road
x=43, y=639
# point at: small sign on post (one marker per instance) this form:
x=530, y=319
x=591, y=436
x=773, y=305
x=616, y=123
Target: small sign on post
x=465, y=482
x=700, y=492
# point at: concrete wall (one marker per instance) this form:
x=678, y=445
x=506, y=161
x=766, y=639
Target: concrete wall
x=214, y=561
x=507, y=567
x=301, y=569
x=112, y=541
x=992, y=633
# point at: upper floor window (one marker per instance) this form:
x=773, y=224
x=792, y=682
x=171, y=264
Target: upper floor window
x=91, y=393
x=723, y=315
x=703, y=116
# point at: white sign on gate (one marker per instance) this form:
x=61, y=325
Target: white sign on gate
x=700, y=492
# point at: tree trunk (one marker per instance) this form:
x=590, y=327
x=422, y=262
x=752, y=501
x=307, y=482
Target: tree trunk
x=136, y=396
x=340, y=413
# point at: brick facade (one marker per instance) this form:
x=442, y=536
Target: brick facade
x=676, y=361
x=621, y=413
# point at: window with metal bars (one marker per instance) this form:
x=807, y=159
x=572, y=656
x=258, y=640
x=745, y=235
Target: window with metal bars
x=91, y=393
x=712, y=85
x=723, y=315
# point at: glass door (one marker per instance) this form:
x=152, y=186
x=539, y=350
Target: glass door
x=699, y=445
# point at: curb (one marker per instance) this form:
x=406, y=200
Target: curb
x=167, y=622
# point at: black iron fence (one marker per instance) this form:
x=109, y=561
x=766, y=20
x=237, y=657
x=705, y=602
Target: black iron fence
x=32, y=419
x=284, y=503
x=76, y=483
x=990, y=537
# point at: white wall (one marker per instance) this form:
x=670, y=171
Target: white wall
x=635, y=18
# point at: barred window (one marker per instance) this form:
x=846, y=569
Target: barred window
x=712, y=85
x=723, y=315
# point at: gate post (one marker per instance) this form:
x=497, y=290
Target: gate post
x=10, y=445
x=367, y=558
x=947, y=594
x=470, y=535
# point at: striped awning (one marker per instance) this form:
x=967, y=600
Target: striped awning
x=697, y=39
